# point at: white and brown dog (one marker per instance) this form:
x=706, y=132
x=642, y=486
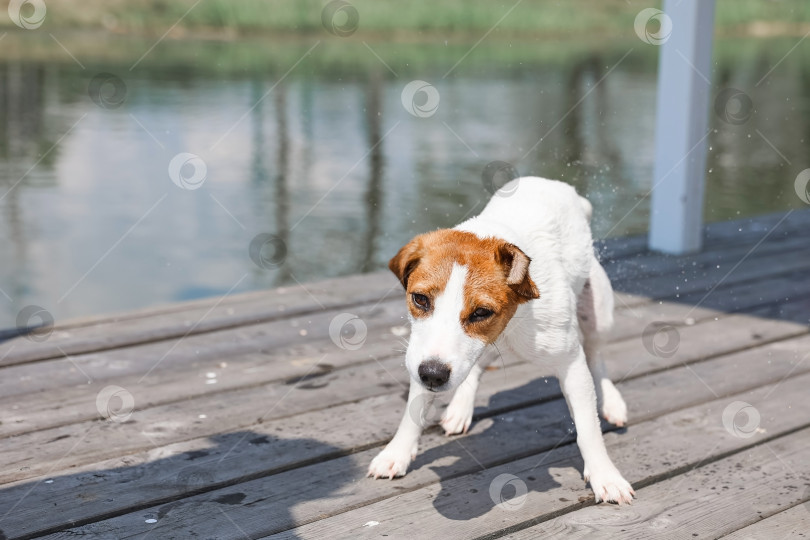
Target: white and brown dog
x=522, y=276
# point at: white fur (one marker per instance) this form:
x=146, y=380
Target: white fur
x=560, y=332
x=440, y=335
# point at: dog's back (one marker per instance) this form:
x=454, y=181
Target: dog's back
x=548, y=221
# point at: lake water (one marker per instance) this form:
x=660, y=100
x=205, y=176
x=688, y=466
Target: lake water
x=308, y=143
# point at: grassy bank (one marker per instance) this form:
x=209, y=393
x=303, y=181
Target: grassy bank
x=348, y=59
x=395, y=18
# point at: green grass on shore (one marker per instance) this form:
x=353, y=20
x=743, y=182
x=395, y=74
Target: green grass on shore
x=392, y=18
x=242, y=37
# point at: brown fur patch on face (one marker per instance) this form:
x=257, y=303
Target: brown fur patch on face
x=497, y=277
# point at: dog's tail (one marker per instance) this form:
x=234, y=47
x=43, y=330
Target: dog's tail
x=587, y=208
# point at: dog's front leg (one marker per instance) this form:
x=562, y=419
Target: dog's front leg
x=458, y=415
x=606, y=480
x=393, y=461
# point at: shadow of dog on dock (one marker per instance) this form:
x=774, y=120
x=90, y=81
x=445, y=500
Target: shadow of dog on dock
x=528, y=440
x=244, y=485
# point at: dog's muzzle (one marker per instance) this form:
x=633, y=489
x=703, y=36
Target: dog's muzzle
x=434, y=373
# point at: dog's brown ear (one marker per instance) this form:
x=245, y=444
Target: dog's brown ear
x=516, y=267
x=404, y=262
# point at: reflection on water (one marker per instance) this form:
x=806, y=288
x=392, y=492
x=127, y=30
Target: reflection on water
x=334, y=165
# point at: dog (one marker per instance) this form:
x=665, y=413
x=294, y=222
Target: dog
x=521, y=276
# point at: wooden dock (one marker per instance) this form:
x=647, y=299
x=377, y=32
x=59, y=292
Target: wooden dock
x=242, y=417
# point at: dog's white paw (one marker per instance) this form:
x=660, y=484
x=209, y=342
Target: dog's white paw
x=393, y=461
x=458, y=415
x=614, y=409
x=609, y=485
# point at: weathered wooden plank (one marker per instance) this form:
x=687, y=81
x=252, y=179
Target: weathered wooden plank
x=52, y=406
x=707, y=502
x=648, y=452
x=763, y=296
x=691, y=343
x=516, y=434
x=294, y=336
x=695, y=343
x=323, y=386
x=253, y=308
x=790, y=524
x=704, y=278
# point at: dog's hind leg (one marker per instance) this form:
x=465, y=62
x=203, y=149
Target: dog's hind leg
x=578, y=388
x=595, y=315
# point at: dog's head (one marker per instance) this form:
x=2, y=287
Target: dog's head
x=462, y=291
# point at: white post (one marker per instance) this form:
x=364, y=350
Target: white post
x=684, y=74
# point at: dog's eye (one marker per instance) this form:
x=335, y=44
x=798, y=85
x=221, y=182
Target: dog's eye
x=480, y=314
x=421, y=300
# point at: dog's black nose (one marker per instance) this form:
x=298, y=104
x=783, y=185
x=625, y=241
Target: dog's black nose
x=433, y=373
